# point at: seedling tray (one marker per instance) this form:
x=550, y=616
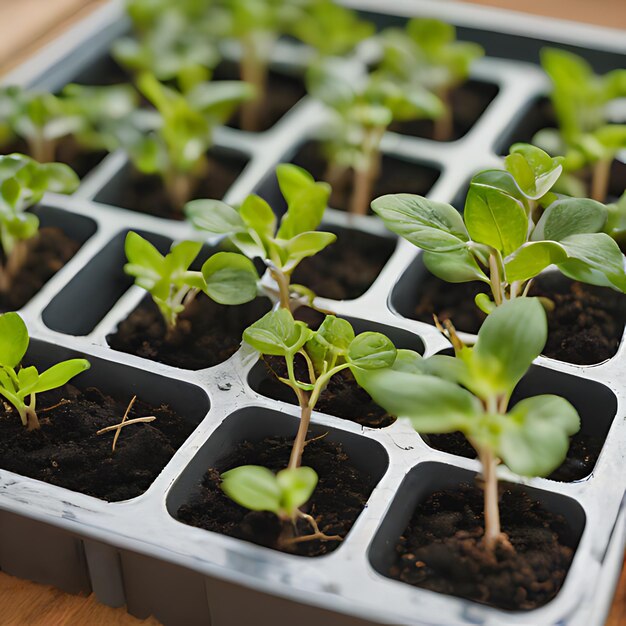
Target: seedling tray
x=135, y=552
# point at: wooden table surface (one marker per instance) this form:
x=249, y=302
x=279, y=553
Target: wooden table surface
x=26, y=25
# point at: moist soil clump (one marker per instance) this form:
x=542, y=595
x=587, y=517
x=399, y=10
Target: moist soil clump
x=582, y=453
x=396, y=176
x=48, y=252
x=206, y=334
x=585, y=327
x=441, y=549
x=468, y=103
x=342, y=397
x=66, y=451
x=340, y=496
x=347, y=268
x=146, y=193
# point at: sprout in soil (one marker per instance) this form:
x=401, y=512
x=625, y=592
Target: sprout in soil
x=586, y=136
x=43, y=119
x=19, y=385
x=512, y=228
x=172, y=140
x=23, y=183
x=326, y=352
x=426, y=53
x=361, y=107
x=255, y=231
x=471, y=392
x=226, y=277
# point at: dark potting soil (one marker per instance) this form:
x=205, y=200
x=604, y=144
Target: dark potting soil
x=66, y=451
x=283, y=93
x=468, y=102
x=347, y=268
x=441, y=549
x=69, y=152
x=396, y=176
x=48, y=252
x=146, y=193
x=340, y=496
x=585, y=327
x=207, y=333
x=581, y=457
x=342, y=397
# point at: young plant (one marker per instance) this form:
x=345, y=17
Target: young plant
x=513, y=227
x=585, y=135
x=19, y=385
x=254, y=229
x=23, y=183
x=173, y=142
x=426, y=53
x=616, y=222
x=362, y=107
x=471, y=393
x=326, y=352
x=226, y=277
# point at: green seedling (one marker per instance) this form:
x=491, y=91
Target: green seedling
x=426, y=53
x=513, y=227
x=326, y=352
x=19, y=385
x=616, y=222
x=23, y=183
x=585, y=135
x=471, y=393
x=254, y=229
x=362, y=107
x=174, y=140
x=226, y=277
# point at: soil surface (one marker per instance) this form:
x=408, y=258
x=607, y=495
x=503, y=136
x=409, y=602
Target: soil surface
x=66, y=451
x=342, y=397
x=468, y=102
x=283, y=92
x=347, y=268
x=49, y=251
x=146, y=193
x=585, y=327
x=582, y=454
x=441, y=549
x=340, y=496
x=397, y=176
x=207, y=333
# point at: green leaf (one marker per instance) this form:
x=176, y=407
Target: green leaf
x=570, y=216
x=535, y=435
x=494, y=217
x=297, y=486
x=454, y=266
x=532, y=258
x=253, y=487
x=214, y=217
x=292, y=179
x=305, y=245
x=182, y=255
x=535, y=172
x=13, y=340
x=258, y=215
x=277, y=333
x=59, y=374
x=230, y=278
x=371, y=350
x=508, y=341
x=427, y=224
x=331, y=340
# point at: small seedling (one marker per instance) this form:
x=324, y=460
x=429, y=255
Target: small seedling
x=173, y=141
x=125, y=422
x=19, y=385
x=513, y=227
x=254, y=229
x=585, y=135
x=326, y=352
x=362, y=107
x=426, y=53
x=471, y=393
x=23, y=183
x=226, y=277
